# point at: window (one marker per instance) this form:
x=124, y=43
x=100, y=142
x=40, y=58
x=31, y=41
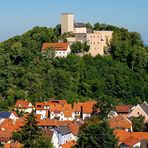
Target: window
x=39, y=106
x=94, y=42
x=98, y=42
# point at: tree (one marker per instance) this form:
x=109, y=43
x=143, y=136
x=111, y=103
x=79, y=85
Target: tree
x=29, y=133
x=97, y=135
x=138, y=123
x=78, y=47
x=105, y=105
x=43, y=142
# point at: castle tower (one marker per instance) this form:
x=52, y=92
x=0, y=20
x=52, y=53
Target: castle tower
x=67, y=22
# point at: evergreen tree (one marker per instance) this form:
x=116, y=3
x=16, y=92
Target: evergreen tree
x=29, y=133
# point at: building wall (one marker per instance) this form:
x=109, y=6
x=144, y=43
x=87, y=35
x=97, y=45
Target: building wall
x=67, y=22
x=138, y=111
x=54, y=140
x=62, y=53
x=86, y=115
x=80, y=30
x=80, y=37
x=62, y=139
x=13, y=117
x=42, y=113
x=98, y=41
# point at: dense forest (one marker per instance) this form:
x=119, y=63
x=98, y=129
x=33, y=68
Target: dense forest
x=28, y=74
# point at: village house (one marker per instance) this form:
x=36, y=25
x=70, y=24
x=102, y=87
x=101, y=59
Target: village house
x=7, y=115
x=23, y=106
x=83, y=109
x=54, y=110
x=123, y=110
x=130, y=139
x=140, y=109
x=60, y=110
x=63, y=135
x=120, y=122
x=61, y=49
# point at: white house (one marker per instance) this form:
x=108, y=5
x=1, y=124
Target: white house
x=24, y=106
x=61, y=49
x=62, y=135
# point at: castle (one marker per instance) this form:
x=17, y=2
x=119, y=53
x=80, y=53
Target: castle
x=97, y=40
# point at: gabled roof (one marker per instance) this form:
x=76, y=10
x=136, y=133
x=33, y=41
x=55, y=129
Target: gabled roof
x=63, y=130
x=119, y=122
x=86, y=106
x=123, y=108
x=23, y=104
x=144, y=106
x=55, y=46
x=5, y=114
x=74, y=128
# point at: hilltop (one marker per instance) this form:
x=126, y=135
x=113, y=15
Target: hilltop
x=26, y=73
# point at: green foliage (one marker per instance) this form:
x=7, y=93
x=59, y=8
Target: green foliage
x=138, y=124
x=105, y=105
x=78, y=47
x=27, y=73
x=29, y=133
x=97, y=135
x=43, y=142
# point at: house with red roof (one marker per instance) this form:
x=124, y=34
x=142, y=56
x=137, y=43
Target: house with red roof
x=120, y=122
x=61, y=110
x=54, y=110
x=123, y=110
x=130, y=139
x=24, y=106
x=83, y=109
x=61, y=49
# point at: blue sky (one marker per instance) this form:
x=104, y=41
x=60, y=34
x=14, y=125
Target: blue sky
x=17, y=16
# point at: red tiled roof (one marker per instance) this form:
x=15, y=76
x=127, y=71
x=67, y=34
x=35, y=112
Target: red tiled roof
x=123, y=108
x=48, y=122
x=22, y=104
x=130, y=141
x=119, y=122
x=56, y=46
x=69, y=144
x=12, y=145
x=122, y=135
x=67, y=110
x=5, y=135
x=87, y=106
x=41, y=105
x=74, y=128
